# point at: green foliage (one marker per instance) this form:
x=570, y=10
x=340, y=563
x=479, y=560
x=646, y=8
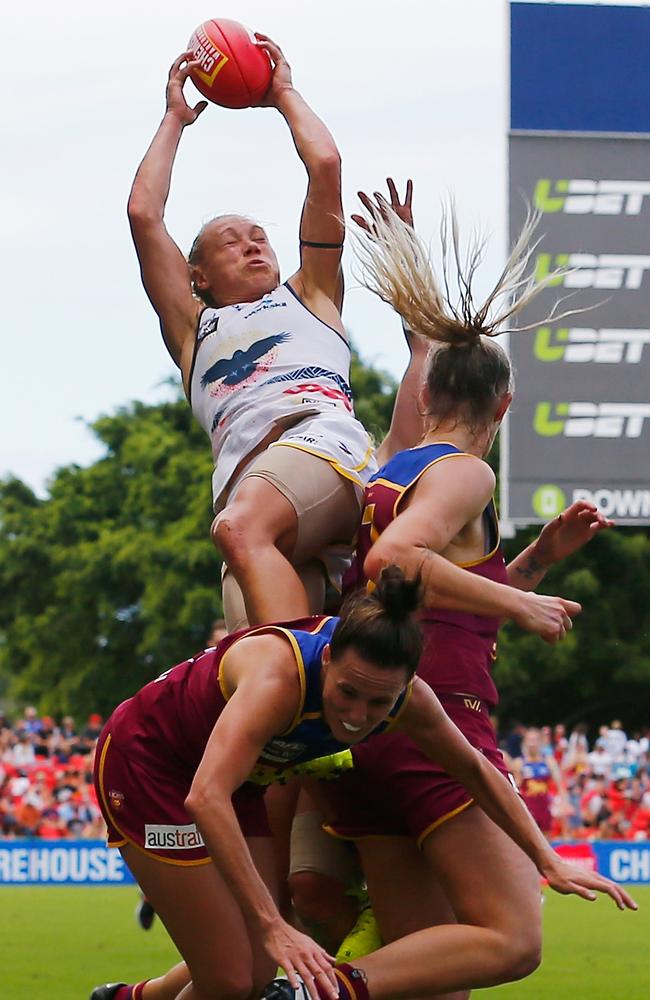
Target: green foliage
x=602, y=670
x=113, y=578
x=374, y=396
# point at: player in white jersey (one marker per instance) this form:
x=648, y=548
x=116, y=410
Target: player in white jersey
x=263, y=364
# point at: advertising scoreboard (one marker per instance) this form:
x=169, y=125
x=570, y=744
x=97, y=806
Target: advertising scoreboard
x=579, y=154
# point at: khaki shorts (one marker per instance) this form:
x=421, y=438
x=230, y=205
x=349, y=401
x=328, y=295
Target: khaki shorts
x=327, y=506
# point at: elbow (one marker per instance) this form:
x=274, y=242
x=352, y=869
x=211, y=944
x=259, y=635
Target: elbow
x=326, y=164
x=140, y=211
x=381, y=556
x=373, y=565
x=192, y=805
x=198, y=801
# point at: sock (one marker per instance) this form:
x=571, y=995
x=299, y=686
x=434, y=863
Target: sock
x=362, y=939
x=351, y=981
x=133, y=992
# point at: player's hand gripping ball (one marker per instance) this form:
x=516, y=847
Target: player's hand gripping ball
x=233, y=71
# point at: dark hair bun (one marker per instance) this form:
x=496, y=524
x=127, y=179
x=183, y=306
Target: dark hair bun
x=398, y=596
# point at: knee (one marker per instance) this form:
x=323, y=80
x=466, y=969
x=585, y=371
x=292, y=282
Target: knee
x=231, y=533
x=521, y=954
x=315, y=898
x=225, y=987
x=304, y=888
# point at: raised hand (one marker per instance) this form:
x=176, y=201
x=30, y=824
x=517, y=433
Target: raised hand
x=299, y=955
x=568, y=879
x=549, y=617
x=176, y=103
x=401, y=208
x=569, y=531
x=281, y=79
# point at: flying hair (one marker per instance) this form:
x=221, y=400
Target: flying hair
x=396, y=265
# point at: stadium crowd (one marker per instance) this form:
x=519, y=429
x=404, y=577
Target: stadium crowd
x=597, y=791
x=46, y=787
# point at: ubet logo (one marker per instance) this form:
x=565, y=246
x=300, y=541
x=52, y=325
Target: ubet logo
x=598, y=420
x=590, y=270
x=585, y=197
x=549, y=500
x=580, y=345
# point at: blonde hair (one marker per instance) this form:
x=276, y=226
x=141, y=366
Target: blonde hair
x=468, y=372
x=396, y=266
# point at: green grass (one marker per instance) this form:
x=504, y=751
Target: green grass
x=59, y=942
x=592, y=951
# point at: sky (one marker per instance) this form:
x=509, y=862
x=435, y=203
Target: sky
x=412, y=89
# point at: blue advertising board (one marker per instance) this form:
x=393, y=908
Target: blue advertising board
x=579, y=154
x=625, y=861
x=579, y=67
x=90, y=862
x=56, y=862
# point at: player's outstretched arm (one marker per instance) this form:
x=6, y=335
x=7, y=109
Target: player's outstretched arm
x=407, y=422
x=560, y=538
x=322, y=215
x=164, y=270
x=262, y=704
x=427, y=724
x=447, y=497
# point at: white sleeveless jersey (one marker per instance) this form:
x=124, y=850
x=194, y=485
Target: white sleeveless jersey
x=258, y=363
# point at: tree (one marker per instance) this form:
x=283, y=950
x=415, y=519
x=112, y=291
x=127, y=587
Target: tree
x=113, y=577
x=602, y=669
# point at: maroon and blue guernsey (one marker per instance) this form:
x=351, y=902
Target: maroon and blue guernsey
x=153, y=743
x=393, y=788
x=459, y=647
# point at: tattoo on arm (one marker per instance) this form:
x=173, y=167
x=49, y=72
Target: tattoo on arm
x=530, y=568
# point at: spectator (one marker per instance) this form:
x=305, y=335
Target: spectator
x=578, y=738
x=615, y=740
x=21, y=754
x=31, y=723
x=560, y=742
x=46, y=777
x=600, y=760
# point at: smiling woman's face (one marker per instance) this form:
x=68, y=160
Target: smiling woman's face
x=357, y=694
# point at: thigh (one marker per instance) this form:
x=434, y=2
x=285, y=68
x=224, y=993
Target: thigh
x=325, y=503
x=196, y=907
x=314, y=850
x=234, y=607
x=261, y=509
x=405, y=893
x=488, y=880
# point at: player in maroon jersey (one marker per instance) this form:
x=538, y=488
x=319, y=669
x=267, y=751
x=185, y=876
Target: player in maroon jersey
x=430, y=510
x=181, y=768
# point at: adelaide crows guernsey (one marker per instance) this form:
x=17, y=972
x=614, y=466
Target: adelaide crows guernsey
x=459, y=648
x=175, y=714
x=269, y=362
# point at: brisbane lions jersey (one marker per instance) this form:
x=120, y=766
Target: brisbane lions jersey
x=459, y=648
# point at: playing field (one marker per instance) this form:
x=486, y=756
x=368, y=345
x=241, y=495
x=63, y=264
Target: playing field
x=57, y=943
